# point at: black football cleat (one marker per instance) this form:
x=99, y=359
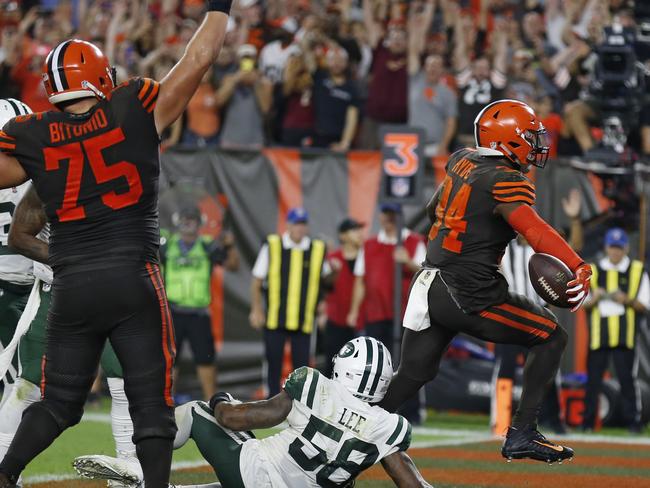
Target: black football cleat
x=528, y=443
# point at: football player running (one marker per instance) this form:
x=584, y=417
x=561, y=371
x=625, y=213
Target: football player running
x=333, y=431
x=483, y=202
x=95, y=165
x=16, y=276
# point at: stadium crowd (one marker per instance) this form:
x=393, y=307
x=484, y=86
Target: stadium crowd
x=327, y=73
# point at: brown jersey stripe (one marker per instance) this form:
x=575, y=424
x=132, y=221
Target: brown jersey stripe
x=517, y=198
x=145, y=89
x=515, y=325
x=153, y=96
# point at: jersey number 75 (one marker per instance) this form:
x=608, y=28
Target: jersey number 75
x=91, y=150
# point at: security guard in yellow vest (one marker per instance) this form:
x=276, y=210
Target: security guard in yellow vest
x=287, y=276
x=618, y=301
x=188, y=259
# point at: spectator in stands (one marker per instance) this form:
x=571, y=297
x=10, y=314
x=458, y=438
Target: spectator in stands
x=388, y=88
x=275, y=55
x=374, y=283
x=245, y=97
x=188, y=259
x=338, y=300
x=202, y=116
x=297, y=88
x=336, y=103
x=479, y=81
x=432, y=104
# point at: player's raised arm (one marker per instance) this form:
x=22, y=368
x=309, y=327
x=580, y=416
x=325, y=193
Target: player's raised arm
x=29, y=219
x=181, y=82
x=401, y=469
x=250, y=415
x=544, y=238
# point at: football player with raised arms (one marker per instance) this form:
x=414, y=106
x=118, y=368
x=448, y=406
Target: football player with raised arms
x=484, y=200
x=94, y=163
x=333, y=431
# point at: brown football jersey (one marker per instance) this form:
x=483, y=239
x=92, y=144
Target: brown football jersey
x=468, y=239
x=97, y=175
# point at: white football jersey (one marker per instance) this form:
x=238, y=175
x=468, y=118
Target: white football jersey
x=13, y=267
x=332, y=436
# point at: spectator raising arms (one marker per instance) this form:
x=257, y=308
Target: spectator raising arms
x=388, y=87
x=433, y=106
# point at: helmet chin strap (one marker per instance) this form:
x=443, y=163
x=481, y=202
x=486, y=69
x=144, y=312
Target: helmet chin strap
x=88, y=85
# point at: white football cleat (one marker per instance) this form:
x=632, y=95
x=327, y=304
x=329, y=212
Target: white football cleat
x=120, y=472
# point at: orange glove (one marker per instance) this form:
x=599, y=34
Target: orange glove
x=578, y=288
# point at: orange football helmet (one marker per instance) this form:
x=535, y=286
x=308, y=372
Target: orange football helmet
x=511, y=128
x=77, y=69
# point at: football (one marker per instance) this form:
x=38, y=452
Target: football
x=549, y=276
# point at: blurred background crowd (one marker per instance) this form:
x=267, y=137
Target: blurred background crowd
x=327, y=73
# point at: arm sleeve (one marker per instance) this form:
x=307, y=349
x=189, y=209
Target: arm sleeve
x=400, y=438
x=643, y=297
x=360, y=264
x=542, y=237
x=261, y=267
x=295, y=383
x=513, y=187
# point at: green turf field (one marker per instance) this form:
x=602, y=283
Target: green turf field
x=452, y=450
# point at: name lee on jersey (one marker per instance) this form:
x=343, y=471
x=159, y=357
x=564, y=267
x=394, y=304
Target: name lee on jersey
x=351, y=420
x=62, y=131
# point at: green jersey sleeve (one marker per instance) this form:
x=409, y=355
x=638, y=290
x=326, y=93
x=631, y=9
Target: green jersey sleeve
x=295, y=383
x=400, y=438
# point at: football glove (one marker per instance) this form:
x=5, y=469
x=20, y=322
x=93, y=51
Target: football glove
x=578, y=288
x=217, y=398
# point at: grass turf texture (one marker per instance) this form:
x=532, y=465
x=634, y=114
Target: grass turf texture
x=472, y=464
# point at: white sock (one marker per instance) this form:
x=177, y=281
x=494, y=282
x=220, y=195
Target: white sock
x=121, y=422
x=22, y=395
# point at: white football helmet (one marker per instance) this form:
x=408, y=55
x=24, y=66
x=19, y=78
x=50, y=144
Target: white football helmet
x=10, y=108
x=364, y=367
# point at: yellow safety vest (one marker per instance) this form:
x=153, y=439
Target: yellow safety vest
x=293, y=285
x=615, y=330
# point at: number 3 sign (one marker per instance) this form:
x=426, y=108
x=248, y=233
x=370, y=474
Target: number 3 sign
x=401, y=163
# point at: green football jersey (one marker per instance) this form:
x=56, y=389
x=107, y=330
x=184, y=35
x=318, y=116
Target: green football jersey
x=331, y=437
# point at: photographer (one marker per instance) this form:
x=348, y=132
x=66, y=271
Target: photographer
x=246, y=97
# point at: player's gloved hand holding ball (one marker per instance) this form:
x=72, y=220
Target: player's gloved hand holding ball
x=578, y=288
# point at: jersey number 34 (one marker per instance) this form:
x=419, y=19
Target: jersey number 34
x=93, y=147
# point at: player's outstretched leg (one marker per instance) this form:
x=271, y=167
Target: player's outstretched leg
x=420, y=359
